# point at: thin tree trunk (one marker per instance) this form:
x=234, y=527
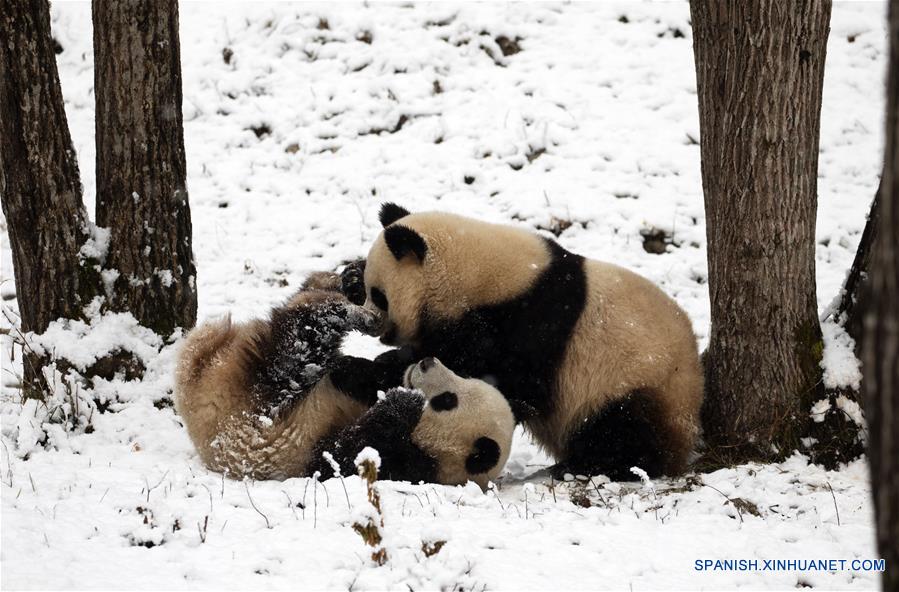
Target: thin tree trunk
x=760, y=70
x=141, y=190
x=880, y=347
x=851, y=306
x=39, y=183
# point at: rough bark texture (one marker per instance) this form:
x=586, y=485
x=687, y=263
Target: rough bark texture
x=141, y=190
x=760, y=69
x=851, y=306
x=880, y=347
x=39, y=182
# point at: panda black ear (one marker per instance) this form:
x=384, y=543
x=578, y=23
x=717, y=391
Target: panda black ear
x=484, y=456
x=390, y=213
x=402, y=240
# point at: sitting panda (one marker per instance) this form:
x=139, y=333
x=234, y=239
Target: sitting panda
x=265, y=399
x=599, y=364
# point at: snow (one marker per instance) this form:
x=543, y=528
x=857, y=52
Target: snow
x=335, y=466
x=852, y=409
x=97, y=245
x=820, y=409
x=841, y=367
x=83, y=343
x=588, y=132
x=368, y=454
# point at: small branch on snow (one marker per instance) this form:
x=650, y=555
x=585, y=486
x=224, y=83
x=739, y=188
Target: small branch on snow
x=834, y=502
x=209, y=491
x=336, y=468
x=203, y=529
x=730, y=501
x=149, y=489
x=290, y=504
x=315, y=477
x=252, y=503
x=496, y=495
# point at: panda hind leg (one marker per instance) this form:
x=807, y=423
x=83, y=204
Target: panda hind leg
x=622, y=435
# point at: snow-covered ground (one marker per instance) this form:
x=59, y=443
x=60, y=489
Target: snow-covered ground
x=299, y=120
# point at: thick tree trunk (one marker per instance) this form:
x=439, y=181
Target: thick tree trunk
x=141, y=191
x=880, y=343
x=760, y=69
x=39, y=183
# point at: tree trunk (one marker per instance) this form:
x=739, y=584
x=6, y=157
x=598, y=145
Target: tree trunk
x=880, y=342
x=141, y=190
x=39, y=182
x=850, y=309
x=759, y=70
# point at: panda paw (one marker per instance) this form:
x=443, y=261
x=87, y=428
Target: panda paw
x=362, y=319
x=322, y=280
x=352, y=281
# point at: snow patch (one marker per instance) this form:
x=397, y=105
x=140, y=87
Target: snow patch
x=165, y=276
x=852, y=410
x=96, y=247
x=83, y=343
x=819, y=409
x=841, y=367
x=368, y=454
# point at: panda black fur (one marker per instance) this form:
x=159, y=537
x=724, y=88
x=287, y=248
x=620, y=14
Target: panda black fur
x=598, y=362
x=447, y=430
x=266, y=398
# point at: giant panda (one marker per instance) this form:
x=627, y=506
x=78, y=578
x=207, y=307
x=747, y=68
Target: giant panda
x=256, y=397
x=439, y=428
x=599, y=364
x=266, y=399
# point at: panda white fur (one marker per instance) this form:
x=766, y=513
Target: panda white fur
x=600, y=364
x=440, y=428
x=266, y=398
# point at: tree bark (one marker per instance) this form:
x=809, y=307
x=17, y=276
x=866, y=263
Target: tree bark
x=141, y=189
x=760, y=70
x=39, y=182
x=850, y=309
x=880, y=342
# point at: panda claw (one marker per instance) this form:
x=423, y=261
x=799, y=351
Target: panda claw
x=352, y=281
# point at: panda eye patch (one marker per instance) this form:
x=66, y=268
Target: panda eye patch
x=445, y=401
x=378, y=297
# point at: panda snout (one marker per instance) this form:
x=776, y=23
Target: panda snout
x=427, y=375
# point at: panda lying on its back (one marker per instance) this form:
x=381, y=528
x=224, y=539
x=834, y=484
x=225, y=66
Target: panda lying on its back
x=448, y=430
x=267, y=398
x=598, y=362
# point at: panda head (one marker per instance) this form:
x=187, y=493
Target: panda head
x=466, y=425
x=438, y=266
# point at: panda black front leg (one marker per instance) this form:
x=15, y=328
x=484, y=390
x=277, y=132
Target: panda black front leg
x=386, y=427
x=359, y=379
x=362, y=379
x=622, y=435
